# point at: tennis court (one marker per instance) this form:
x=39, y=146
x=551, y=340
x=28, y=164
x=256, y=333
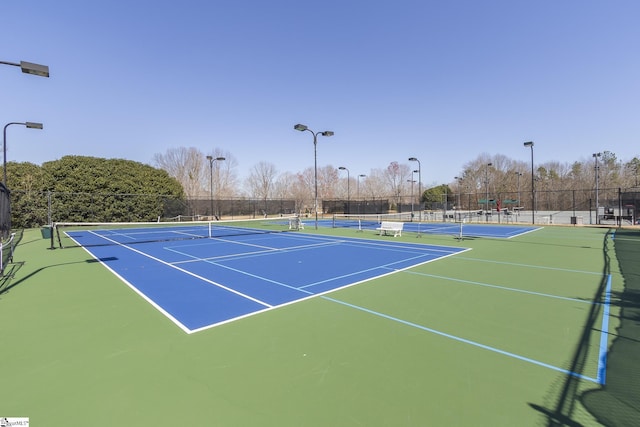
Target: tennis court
x=241, y=268
x=335, y=326
x=461, y=228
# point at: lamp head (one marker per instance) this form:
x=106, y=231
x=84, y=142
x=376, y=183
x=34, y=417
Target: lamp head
x=300, y=127
x=528, y=144
x=327, y=133
x=221, y=158
x=35, y=69
x=33, y=125
x=342, y=168
x=413, y=159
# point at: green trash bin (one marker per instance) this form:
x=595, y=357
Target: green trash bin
x=46, y=232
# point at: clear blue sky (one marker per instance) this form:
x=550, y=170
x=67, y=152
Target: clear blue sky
x=444, y=81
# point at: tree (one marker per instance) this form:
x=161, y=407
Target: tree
x=261, y=181
x=435, y=197
x=29, y=203
x=631, y=172
x=103, y=190
x=187, y=165
x=395, y=175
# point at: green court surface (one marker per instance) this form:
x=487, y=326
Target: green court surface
x=517, y=332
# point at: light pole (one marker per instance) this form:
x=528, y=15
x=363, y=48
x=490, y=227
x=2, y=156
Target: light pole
x=533, y=188
x=360, y=176
x=412, y=181
x=303, y=128
x=597, y=170
x=414, y=159
x=30, y=125
x=358, y=190
x=486, y=184
x=459, y=179
x=30, y=68
x=518, y=174
x=342, y=168
x=211, y=160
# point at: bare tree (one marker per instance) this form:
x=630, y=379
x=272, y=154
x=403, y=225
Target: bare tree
x=225, y=179
x=185, y=165
x=328, y=179
x=261, y=181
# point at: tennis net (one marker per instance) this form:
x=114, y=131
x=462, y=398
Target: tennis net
x=96, y=234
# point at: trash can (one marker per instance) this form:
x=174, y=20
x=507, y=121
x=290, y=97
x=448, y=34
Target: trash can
x=46, y=232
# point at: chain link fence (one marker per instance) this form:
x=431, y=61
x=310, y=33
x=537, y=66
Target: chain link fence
x=28, y=209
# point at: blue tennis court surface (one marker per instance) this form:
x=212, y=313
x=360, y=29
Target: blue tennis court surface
x=201, y=283
x=499, y=231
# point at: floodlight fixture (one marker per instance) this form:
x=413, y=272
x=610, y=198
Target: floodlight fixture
x=30, y=68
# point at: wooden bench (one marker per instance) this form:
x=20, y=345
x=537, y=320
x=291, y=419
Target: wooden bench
x=388, y=227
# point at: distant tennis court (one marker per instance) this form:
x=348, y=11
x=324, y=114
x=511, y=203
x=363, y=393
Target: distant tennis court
x=411, y=224
x=203, y=275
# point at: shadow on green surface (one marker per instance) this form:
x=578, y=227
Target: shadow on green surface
x=6, y=283
x=613, y=404
x=563, y=411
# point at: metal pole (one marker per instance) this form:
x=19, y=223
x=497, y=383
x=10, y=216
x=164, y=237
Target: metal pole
x=533, y=191
x=315, y=174
x=597, y=170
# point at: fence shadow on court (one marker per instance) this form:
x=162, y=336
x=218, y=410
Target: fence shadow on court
x=563, y=410
x=7, y=283
x=616, y=403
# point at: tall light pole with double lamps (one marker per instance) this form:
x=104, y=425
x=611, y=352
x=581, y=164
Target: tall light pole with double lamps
x=30, y=125
x=597, y=171
x=533, y=188
x=303, y=128
x=211, y=160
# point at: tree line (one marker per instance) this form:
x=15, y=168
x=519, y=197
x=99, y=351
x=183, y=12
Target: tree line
x=78, y=188
x=96, y=188
x=398, y=182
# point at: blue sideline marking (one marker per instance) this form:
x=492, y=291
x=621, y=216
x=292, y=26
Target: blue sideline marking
x=604, y=334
